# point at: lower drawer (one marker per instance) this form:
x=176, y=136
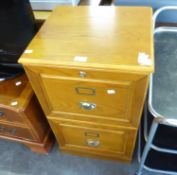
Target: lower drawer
x=15, y=131
x=10, y=116
x=94, y=139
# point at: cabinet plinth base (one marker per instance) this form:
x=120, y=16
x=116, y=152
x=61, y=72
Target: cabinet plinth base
x=95, y=156
x=42, y=147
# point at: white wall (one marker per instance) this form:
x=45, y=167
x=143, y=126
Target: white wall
x=50, y=4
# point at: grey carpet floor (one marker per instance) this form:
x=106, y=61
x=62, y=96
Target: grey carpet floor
x=16, y=159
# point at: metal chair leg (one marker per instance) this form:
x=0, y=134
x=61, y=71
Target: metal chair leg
x=152, y=132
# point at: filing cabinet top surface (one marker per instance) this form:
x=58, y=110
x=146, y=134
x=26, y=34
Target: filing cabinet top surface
x=95, y=37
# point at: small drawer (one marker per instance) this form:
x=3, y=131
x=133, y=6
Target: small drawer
x=82, y=136
x=15, y=131
x=10, y=116
x=86, y=73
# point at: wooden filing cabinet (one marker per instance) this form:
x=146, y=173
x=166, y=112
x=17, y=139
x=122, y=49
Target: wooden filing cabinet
x=83, y=66
x=21, y=117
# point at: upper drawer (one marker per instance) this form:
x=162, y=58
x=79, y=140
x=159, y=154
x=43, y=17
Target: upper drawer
x=112, y=96
x=109, y=100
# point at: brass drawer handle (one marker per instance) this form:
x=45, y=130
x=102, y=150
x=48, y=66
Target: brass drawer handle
x=93, y=143
x=11, y=131
x=87, y=105
x=85, y=91
x=1, y=114
x=91, y=134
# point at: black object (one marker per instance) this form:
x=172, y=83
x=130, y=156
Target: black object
x=9, y=71
x=17, y=28
x=165, y=138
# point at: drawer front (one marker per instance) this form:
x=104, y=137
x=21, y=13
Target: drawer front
x=93, y=139
x=15, y=131
x=111, y=100
x=10, y=116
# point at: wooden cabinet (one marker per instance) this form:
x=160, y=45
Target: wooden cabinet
x=85, y=72
x=21, y=117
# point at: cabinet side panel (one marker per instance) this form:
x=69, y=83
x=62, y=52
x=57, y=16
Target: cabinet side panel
x=35, y=80
x=37, y=119
x=139, y=99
